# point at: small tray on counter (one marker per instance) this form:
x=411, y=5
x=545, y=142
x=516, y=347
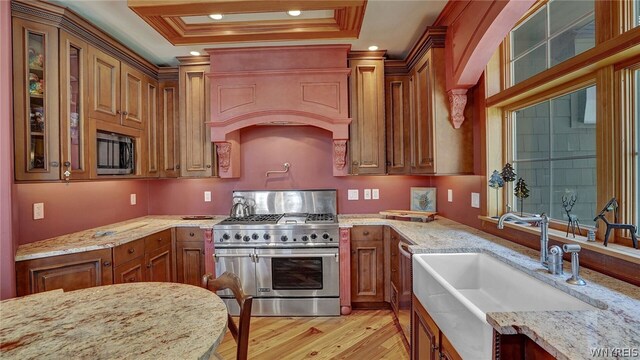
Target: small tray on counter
x=197, y=217
x=409, y=215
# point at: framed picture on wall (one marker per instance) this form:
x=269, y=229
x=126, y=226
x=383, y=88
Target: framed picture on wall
x=423, y=199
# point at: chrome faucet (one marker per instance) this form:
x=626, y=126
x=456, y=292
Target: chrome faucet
x=544, y=232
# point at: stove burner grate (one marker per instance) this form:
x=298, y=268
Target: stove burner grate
x=320, y=218
x=253, y=219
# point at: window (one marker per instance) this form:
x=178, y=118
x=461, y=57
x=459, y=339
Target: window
x=559, y=30
x=636, y=13
x=555, y=154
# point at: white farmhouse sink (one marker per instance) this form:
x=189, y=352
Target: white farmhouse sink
x=459, y=289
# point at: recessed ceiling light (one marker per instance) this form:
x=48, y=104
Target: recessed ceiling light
x=373, y=48
x=195, y=53
x=294, y=12
x=216, y=16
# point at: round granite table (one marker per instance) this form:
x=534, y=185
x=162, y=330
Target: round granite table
x=124, y=321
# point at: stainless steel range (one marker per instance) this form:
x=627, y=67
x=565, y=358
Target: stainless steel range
x=286, y=253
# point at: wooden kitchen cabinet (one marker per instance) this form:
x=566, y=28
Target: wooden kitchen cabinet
x=74, y=61
x=367, y=267
x=36, y=101
x=68, y=272
x=146, y=259
x=196, y=158
x=398, y=123
x=436, y=146
x=427, y=341
x=153, y=145
x=190, y=255
x=367, y=128
x=168, y=134
x=116, y=90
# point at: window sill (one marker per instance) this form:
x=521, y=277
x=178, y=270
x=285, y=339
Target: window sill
x=614, y=250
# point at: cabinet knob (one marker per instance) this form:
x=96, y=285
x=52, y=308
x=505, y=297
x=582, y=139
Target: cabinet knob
x=131, y=279
x=208, y=166
x=132, y=250
x=118, y=112
x=159, y=239
x=149, y=266
x=125, y=113
x=67, y=164
x=365, y=233
x=178, y=167
x=107, y=263
x=192, y=234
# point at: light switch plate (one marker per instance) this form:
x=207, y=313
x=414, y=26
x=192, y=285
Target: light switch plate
x=450, y=195
x=367, y=194
x=207, y=196
x=475, y=200
x=352, y=194
x=38, y=211
x=375, y=193
x=133, y=199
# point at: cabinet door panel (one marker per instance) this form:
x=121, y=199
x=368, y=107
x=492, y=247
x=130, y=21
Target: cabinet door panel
x=195, y=136
x=131, y=271
x=425, y=340
x=151, y=115
x=367, y=275
x=398, y=124
x=132, y=97
x=158, y=263
x=67, y=272
x=104, y=92
x=168, y=133
x=190, y=262
x=422, y=120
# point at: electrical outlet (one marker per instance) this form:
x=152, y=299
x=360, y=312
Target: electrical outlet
x=133, y=199
x=352, y=194
x=207, y=196
x=450, y=195
x=38, y=211
x=475, y=200
x=367, y=194
x=375, y=193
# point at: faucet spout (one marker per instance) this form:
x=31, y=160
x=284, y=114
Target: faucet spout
x=544, y=231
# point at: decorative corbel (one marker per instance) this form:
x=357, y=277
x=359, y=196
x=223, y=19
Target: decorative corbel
x=339, y=153
x=223, y=149
x=457, y=102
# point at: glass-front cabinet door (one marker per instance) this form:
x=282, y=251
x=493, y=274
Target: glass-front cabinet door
x=36, y=101
x=73, y=85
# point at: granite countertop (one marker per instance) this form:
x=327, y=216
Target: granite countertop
x=613, y=326
x=125, y=321
x=92, y=239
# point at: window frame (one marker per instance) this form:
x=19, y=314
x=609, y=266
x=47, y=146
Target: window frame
x=614, y=53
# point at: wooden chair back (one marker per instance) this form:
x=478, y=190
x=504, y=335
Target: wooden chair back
x=240, y=331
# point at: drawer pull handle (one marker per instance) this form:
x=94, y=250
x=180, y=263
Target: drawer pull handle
x=132, y=250
x=365, y=233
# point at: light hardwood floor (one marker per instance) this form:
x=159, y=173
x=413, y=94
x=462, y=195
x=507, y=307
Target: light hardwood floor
x=365, y=334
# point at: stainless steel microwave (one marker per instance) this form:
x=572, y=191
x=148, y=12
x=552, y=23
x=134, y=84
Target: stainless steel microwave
x=116, y=154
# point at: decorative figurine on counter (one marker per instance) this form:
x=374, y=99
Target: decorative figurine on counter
x=496, y=182
x=567, y=205
x=521, y=191
x=508, y=175
x=612, y=205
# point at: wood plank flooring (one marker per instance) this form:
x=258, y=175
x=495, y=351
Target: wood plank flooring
x=365, y=334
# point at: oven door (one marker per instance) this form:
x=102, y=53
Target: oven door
x=296, y=272
x=239, y=262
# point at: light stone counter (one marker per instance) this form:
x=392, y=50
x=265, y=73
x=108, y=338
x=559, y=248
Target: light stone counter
x=125, y=321
x=614, y=327
x=91, y=239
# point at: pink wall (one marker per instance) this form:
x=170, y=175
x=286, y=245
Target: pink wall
x=77, y=206
x=307, y=149
x=7, y=233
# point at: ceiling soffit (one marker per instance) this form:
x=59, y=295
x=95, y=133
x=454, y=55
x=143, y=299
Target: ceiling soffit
x=166, y=17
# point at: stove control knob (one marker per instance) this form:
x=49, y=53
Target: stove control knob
x=284, y=238
x=225, y=236
x=325, y=236
x=314, y=236
x=305, y=238
x=266, y=236
x=246, y=238
x=254, y=236
x=237, y=236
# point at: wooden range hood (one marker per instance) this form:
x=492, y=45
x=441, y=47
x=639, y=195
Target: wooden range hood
x=278, y=85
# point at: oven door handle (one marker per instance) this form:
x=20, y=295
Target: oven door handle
x=251, y=256
x=296, y=255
